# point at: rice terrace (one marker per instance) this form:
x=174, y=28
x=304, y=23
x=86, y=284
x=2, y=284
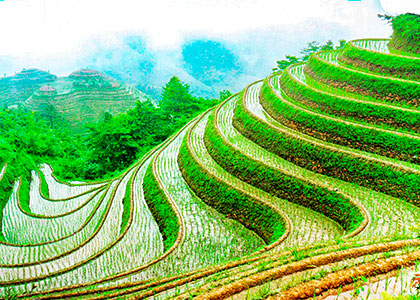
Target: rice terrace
x=304, y=185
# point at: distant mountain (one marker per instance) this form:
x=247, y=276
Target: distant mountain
x=14, y=90
x=82, y=97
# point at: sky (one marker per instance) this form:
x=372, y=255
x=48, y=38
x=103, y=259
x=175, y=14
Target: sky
x=58, y=26
x=56, y=34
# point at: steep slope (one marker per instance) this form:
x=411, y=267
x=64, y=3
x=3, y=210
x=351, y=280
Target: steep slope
x=292, y=188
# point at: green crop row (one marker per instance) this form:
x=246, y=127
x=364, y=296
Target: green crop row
x=45, y=192
x=161, y=209
x=279, y=184
x=381, y=87
x=376, y=141
x=396, y=66
x=6, y=189
x=341, y=105
x=316, y=158
x=234, y=204
x=406, y=35
x=126, y=206
x=25, y=180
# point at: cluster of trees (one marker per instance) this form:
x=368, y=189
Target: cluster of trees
x=109, y=146
x=310, y=48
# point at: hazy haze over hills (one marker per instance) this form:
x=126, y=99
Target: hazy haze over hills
x=144, y=42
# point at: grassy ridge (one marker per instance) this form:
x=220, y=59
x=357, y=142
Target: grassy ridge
x=45, y=192
x=24, y=187
x=366, y=139
x=349, y=168
x=6, y=189
x=380, y=87
x=279, y=184
x=126, y=206
x=345, y=107
x=161, y=209
x=234, y=204
x=381, y=63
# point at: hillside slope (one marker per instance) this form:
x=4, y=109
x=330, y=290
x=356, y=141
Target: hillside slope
x=294, y=188
x=81, y=98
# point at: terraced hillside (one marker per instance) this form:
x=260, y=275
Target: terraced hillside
x=14, y=90
x=83, y=97
x=295, y=188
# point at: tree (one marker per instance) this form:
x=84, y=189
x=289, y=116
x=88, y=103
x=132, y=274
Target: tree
x=176, y=97
x=223, y=95
x=310, y=48
x=283, y=64
x=329, y=45
x=341, y=45
x=306, y=52
x=385, y=17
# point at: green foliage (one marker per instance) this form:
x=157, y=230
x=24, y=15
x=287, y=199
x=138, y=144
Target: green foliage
x=406, y=35
x=44, y=186
x=386, y=296
x=279, y=184
x=161, y=209
x=116, y=142
x=234, y=204
x=223, y=95
x=325, y=161
x=381, y=63
x=126, y=206
x=342, y=106
x=385, y=17
x=381, y=87
x=25, y=179
x=306, y=52
x=379, y=142
x=26, y=140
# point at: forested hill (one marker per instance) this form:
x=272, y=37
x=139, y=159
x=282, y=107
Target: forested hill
x=108, y=143
x=80, y=98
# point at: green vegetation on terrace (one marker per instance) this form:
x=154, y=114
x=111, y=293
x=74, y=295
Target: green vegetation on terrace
x=279, y=184
x=382, y=87
x=406, y=35
x=311, y=133
x=43, y=185
x=380, y=63
x=341, y=106
x=160, y=208
x=116, y=142
x=316, y=158
x=234, y=204
x=26, y=141
x=329, y=129
x=112, y=144
x=127, y=207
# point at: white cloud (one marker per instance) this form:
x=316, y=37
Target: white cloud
x=401, y=6
x=60, y=27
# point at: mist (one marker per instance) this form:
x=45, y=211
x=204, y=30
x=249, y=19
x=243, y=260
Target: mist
x=208, y=59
